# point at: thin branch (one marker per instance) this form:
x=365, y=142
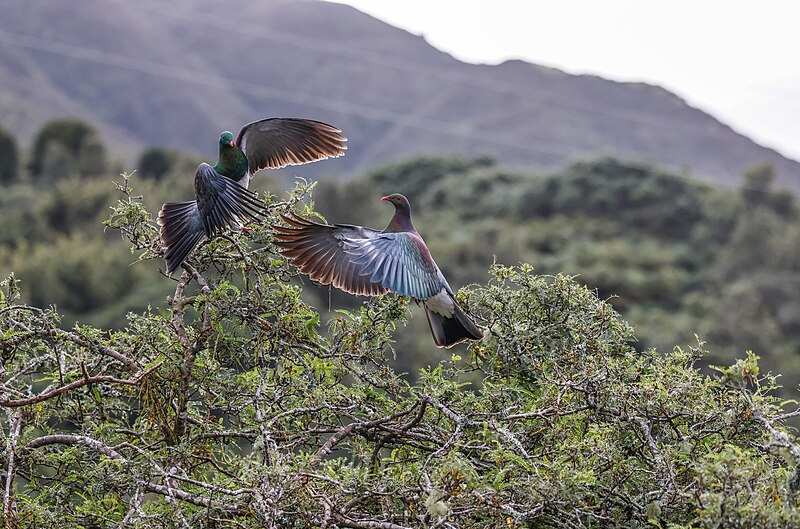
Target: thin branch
x=547, y=412
x=349, y=429
x=9, y=510
x=135, y=509
x=190, y=350
x=789, y=415
x=86, y=380
x=68, y=439
x=209, y=486
x=331, y=442
x=179, y=310
x=344, y=521
x=108, y=351
x=644, y=427
x=781, y=438
x=245, y=434
x=310, y=475
x=193, y=499
x=76, y=338
x=104, y=449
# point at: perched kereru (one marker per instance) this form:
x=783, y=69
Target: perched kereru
x=221, y=194
x=369, y=262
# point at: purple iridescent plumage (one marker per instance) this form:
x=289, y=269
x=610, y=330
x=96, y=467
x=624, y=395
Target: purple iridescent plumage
x=369, y=262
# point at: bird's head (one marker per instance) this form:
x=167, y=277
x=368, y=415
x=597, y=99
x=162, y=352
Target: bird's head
x=226, y=139
x=401, y=221
x=399, y=201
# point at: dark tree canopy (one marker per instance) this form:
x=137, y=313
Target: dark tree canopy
x=232, y=406
x=66, y=145
x=9, y=158
x=155, y=162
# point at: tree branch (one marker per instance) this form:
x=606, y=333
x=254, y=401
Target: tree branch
x=190, y=349
x=200, y=501
x=349, y=429
x=344, y=521
x=66, y=439
x=86, y=380
x=9, y=511
x=781, y=439
x=49, y=330
x=332, y=441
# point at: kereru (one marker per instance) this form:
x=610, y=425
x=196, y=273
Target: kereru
x=221, y=194
x=369, y=262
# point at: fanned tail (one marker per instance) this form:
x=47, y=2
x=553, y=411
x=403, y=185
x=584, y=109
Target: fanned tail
x=221, y=202
x=448, y=332
x=181, y=230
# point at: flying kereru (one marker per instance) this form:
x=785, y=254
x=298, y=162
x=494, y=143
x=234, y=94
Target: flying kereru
x=369, y=262
x=221, y=194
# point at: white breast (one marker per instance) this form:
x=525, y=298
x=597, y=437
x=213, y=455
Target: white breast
x=442, y=303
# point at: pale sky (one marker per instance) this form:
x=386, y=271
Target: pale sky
x=737, y=60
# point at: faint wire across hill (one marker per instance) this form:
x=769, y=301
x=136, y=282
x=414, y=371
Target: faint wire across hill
x=556, y=149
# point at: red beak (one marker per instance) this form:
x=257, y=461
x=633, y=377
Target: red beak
x=384, y=198
x=230, y=143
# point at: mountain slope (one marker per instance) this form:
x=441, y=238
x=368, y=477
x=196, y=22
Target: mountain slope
x=178, y=73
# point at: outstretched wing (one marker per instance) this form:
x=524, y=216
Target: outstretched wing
x=317, y=250
x=277, y=142
x=399, y=262
x=359, y=260
x=222, y=202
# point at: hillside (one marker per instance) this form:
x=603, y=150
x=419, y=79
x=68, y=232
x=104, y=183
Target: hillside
x=176, y=74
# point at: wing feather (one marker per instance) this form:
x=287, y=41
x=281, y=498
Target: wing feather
x=274, y=143
x=359, y=260
x=317, y=249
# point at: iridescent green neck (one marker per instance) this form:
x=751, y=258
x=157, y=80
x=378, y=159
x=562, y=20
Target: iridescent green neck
x=232, y=162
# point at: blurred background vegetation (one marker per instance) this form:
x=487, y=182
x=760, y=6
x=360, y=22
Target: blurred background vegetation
x=676, y=256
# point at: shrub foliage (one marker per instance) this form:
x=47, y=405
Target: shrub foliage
x=234, y=406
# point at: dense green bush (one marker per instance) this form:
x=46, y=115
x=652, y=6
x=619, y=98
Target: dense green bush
x=228, y=407
x=675, y=255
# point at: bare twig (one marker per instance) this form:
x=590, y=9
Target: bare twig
x=86, y=380
x=9, y=510
x=351, y=428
